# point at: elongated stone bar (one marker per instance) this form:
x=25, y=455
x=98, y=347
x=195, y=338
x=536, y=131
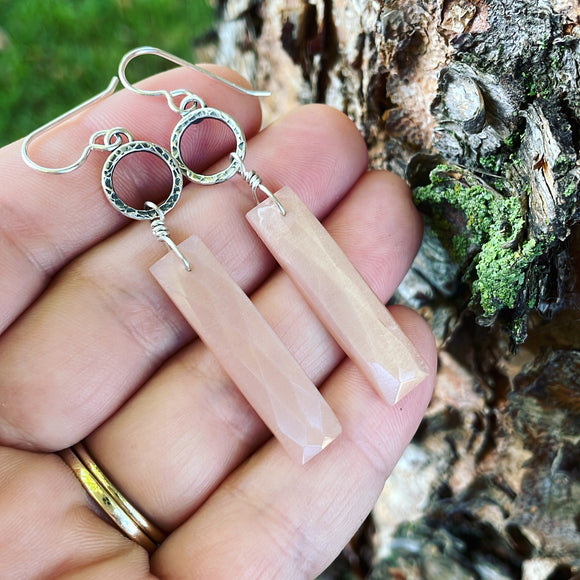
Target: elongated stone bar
x=339, y=296
x=248, y=349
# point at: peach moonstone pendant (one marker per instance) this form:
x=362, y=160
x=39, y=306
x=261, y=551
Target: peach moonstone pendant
x=337, y=293
x=248, y=350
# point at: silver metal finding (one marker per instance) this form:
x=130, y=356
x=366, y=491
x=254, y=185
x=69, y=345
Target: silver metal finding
x=162, y=233
x=106, y=135
x=120, y=143
x=194, y=116
x=255, y=182
x=169, y=95
x=140, y=147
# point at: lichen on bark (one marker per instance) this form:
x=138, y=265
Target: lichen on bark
x=492, y=86
x=482, y=230
x=508, y=113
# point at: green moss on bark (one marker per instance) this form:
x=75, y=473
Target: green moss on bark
x=483, y=228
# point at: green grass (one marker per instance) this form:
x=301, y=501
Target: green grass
x=54, y=55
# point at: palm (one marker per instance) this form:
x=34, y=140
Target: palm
x=92, y=349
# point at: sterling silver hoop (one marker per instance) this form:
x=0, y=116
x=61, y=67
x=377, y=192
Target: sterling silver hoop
x=118, y=203
x=194, y=117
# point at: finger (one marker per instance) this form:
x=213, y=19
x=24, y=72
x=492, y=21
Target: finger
x=191, y=406
x=49, y=528
x=273, y=518
x=48, y=219
x=105, y=325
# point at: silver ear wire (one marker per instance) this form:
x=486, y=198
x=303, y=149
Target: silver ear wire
x=168, y=56
x=193, y=110
x=92, y=141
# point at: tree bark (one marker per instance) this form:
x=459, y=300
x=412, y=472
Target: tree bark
x=477, y=104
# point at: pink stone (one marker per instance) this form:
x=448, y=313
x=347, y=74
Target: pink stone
x=339, y=296
x=248, y=349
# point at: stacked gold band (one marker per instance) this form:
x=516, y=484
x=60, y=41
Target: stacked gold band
x=133, y=524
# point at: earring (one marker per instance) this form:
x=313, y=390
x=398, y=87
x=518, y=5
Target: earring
x=334, y=289
x=223, y=316
x=359, y=322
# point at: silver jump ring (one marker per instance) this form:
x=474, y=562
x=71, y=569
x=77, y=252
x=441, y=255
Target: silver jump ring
x=188, y=97
x=135, y=147
x=112, y=138
x=194, y=117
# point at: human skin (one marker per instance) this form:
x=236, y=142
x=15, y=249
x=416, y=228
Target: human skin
x=92, y=349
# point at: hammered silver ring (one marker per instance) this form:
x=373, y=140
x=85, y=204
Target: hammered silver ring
x=136, y=147
x=195, y=116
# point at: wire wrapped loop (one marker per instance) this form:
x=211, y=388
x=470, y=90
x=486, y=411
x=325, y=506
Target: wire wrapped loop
x=161, y=232
x=255, y=182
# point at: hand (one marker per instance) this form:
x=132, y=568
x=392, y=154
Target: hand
x=91, y=348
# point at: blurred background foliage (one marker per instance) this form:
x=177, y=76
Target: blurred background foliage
x=55, y=55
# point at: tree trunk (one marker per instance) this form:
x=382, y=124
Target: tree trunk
x=477, y=104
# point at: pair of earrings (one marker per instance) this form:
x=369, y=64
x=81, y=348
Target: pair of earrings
x=220, y=312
